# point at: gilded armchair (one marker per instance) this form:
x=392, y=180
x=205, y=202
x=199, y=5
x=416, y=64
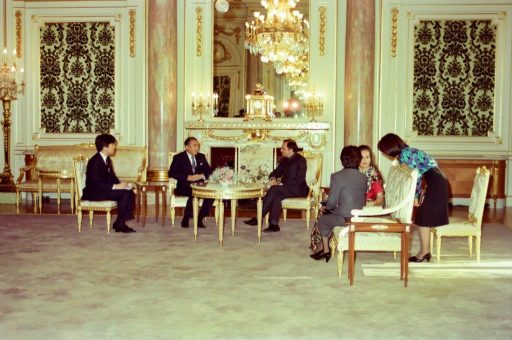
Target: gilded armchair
x=378, y=228
x=314, y=179
x=472, y=226
x=80, y=167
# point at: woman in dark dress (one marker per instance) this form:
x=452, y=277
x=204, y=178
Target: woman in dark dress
x=433, y=210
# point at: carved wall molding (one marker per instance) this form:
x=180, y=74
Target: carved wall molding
x=394, y=31
x=199, y=31
x=220, y=52
x=132, y=32
x=19, y=34
x=236, y=32
x=322, y=26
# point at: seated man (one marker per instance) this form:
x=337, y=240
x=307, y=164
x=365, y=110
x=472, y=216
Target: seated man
x=287, y=180
x=347, y=191
x=188, y=167
x=102, y=184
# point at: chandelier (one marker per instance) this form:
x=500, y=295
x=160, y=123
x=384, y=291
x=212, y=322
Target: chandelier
x=280, y=37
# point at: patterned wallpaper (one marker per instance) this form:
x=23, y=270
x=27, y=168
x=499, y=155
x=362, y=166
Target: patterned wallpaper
x=454, y=77
x=77, y=77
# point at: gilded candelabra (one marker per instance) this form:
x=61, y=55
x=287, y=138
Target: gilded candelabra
x=202, y=103
x=9, y=90
x=313, y=105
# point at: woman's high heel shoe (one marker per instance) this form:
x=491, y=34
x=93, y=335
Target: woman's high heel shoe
x=321, y=255
x=427, y=257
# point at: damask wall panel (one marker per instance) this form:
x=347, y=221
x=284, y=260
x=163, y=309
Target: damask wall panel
x=77, y=77
x=454, y=77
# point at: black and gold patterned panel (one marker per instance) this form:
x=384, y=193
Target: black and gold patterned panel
x=454, y=77
x=77, y=77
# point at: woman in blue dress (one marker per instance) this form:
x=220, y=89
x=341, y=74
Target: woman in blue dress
x=433, y=207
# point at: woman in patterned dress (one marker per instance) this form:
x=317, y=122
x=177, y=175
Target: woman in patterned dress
x=433, y=210
x=374, y=189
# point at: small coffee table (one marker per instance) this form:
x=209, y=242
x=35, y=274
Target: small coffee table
x=158, y=188
x=232, y=192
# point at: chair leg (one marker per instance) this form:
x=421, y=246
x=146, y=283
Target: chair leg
x=477, y=246
x=109, y=217
x=340, y=263
x=267, y=216
x=431, y=240
x=34, y=202
x=308, y=217
x=17, y=201
x=91, y=216
x=79, y=216
x=470, y=245
x=438, y=248
x=285, y=214
x=394, y=255
x=173, y=215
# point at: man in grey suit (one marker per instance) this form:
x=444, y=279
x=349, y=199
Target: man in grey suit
x=347, y=192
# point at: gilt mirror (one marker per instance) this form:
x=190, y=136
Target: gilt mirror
x=236, y=71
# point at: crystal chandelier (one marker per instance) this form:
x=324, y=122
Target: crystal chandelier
x=280, y=37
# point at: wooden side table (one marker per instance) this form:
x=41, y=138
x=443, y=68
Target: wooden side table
x=159, y=188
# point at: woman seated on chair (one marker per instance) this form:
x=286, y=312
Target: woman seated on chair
x=347, y=191
x=374, y=186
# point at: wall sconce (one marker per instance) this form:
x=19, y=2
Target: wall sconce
x=313, y=104
x=9, y=90
x=203, y=102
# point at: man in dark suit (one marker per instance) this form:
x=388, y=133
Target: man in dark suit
x=101, y=183
x=191, y=166
x=287, y=180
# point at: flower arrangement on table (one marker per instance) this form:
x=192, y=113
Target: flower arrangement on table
x=257, y=174
x=222, y=175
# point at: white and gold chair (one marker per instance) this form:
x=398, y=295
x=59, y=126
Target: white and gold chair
x=80, y=166
x=314, y=179
x=470, y=227
x=399, y=193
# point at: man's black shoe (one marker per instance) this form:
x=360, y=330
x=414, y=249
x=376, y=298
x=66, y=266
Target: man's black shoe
x=123, y=229
x=252, y=221
x=272, y=228
x=184, y=223
x=200, y=224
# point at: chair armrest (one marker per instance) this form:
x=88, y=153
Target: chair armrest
x=23, y=170
x=140, y=170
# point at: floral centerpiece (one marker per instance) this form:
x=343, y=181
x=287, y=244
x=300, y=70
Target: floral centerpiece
x=256, y=174
x=223, y=175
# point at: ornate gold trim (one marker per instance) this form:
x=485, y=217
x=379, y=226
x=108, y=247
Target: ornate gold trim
x=394, y=31
x=323, y=24
x=237, y=32
x=299, y=137
x=199, y=31
x=19, y=31
x=132, y=33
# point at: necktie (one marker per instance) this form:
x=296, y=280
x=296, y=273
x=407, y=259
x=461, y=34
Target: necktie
x=193, y=159
x=109, y=164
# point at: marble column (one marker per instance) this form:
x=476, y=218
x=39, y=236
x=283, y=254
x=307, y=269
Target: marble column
x=162, y=82
x=359, y=72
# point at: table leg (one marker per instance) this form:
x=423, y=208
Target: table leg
x=145, y=203
x=351, y=255
x=259, y=208
x=402, y=243
x=233, y=216
x=164, y=204
x=195, y=210
x=157, y=204
x=221, y=222
x=58, y=196
x=406, y=259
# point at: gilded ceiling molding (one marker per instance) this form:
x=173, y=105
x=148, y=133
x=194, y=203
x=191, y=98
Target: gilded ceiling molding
x=132, y=33
x=19, y=31
x=394, y=31
x=199, y=31
x=321, y=36
x=237, y=32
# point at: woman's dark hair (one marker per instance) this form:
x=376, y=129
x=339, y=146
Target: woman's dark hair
x=291, y=144
x=350, y=157
x=367, y=148
x=103, y=141
x=189, y=139
x=391, y=145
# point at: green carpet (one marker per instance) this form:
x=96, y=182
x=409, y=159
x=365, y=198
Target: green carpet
x=161, y=284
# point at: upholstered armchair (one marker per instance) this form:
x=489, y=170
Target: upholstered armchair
x=314, y=179
x=378, y=228
x=80, y=167
x=470, y=227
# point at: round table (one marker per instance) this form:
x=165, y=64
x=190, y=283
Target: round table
x=231, y=192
